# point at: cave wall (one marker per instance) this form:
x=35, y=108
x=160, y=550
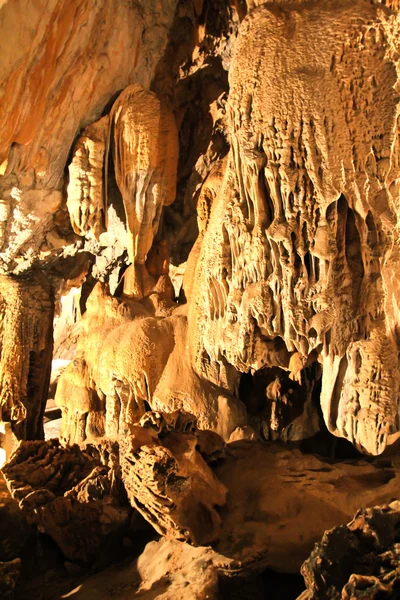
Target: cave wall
x=254, y=143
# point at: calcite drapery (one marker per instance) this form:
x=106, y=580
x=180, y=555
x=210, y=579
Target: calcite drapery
x=56, y=77
x=302, y=240
x=297, y=257
x=144, y=140
x=129, y=359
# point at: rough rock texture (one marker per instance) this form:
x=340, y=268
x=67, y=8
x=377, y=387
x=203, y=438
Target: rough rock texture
x=254, y=147
x=143, y=136
x=73, y=495
x=358, y=560
x=14, y=529
x=9, y=574
x=121, y=369
x=301, y=243
x=85, y=191
x=291, y=161
x=26, y=321
x=145, y=153
x=176, y=571
x=168, y=480
x=166, y=569
x=80, y=496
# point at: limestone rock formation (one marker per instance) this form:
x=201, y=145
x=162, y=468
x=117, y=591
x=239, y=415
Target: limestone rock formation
x=121, y=370
x=301, y=247
x=85, y=191
x=9, y=574
x=79, y=496
x=61, y=64
x=178, y=571
x=142, y=133
x=26, y=320
x=358, y=560
x=73, y=495
x=166, y=569
x=218, y=181
x=145, y=153
x=168, y=480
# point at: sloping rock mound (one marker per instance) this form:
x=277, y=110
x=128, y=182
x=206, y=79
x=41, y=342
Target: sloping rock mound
x=166, y=569
x=279, y=500
x=173, y=570
x=358, y=561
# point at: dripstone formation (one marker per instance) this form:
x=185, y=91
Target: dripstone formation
x=203, y=198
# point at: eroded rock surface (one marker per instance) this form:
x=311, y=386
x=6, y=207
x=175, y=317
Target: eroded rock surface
x=177, y=571
x=73, y=495
x=86, y=195
x=278, y=121
x=166, y=569
x=145, y=153
x=121, y=369
x=168, y=480
x=358, y=560
x=79, y=496
x=62, y=63
x=26, y=321
x=9, y=574
x=301, y=242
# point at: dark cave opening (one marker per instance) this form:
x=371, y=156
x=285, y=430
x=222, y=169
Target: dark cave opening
x=261, y=585
x=274, y=402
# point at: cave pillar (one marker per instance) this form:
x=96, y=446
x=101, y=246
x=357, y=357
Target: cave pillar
x=26, y=347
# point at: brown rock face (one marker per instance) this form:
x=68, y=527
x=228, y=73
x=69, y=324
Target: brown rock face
x=145, y=153
x=26, y=321
x=358, y=560
x=74, y=496
x=85, y=201
x=81, y=496
x=301, y=242
x=63, y=62
x=215, y=184
x=169, y=482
